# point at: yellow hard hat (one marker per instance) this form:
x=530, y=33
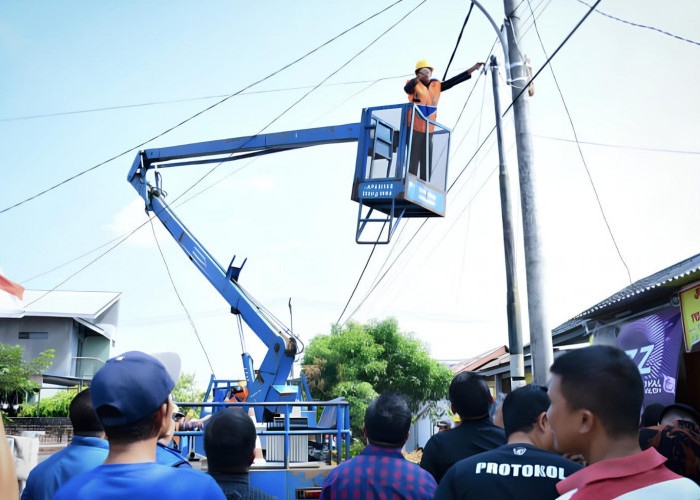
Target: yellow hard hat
x=423, y=64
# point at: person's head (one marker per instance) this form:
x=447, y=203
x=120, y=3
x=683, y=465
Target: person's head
x=83, y=417
x=387, y=421
x=229, y=441
x=496, y=410
x=651, y=415
x=596, y=397
x=679, y=411
x=424, y=71
x=131, y=395
x=445, y=424
x=176, y=415
x=470, y=396
x=525, y=411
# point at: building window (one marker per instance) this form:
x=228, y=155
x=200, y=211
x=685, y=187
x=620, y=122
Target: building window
x=33, y=335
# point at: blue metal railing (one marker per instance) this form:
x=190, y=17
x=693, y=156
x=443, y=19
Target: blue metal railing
x=341, y=429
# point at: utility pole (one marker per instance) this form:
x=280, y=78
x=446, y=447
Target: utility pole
x=540, y=337
x=515, y=335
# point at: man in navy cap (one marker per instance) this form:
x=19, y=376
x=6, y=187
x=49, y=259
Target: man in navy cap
x=131, y=395
x=87, y=450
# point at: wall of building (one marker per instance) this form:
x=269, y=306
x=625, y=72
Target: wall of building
x=61, y=337
x=108, y=321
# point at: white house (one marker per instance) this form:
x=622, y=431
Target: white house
x=80, y=326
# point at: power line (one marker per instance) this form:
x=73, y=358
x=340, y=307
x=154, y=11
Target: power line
x=374, y=247
x=87, y=265
x=580, y=152
x=172, y=282
x=280, y=115
x=214, y=184
x=546, y=63
x=455, y=180
x=265, y=127
x=188, y=99
x=459, y=38
x=621, y=146
x=418, y=230
x=369, y=258
x=637, y=25
x=201, y=112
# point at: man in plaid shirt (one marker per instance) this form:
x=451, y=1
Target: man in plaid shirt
x=381, y=471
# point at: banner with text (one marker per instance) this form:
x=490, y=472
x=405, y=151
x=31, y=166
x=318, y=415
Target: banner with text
x=654, y=344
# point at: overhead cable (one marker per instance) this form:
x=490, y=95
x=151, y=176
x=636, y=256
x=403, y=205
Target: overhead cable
x=265, y=127
x=583, y=159
x=172, y=282
x=546, y=63
x=459, y=38
x=637, y=25
x=200, y=112
x=190, y=99
x=621, y=146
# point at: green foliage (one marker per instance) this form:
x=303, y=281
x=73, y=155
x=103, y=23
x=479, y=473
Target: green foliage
x=359, y=395
x=54, y=406
x=185, y=391
x=356, y=447
x=15, y=373
x=378, y=354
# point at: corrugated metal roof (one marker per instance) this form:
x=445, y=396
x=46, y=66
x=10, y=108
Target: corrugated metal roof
x=68, y=304
x=475, y=362
x=677, y=275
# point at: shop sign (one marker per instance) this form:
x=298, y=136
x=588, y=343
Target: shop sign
x=690, y=311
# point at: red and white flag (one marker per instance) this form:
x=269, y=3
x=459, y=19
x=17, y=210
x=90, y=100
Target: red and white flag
x=11, y=287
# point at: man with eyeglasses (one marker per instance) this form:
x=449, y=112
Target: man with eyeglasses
x=523, y=468
x=131, y=396
x=164, y=453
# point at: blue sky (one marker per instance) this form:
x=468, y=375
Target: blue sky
x=290, y=213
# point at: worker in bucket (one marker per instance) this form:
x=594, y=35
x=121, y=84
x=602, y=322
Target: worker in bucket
x=424, y=91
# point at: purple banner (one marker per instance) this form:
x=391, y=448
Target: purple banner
x=654, y=342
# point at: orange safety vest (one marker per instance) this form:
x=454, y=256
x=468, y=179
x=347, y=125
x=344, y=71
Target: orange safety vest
x=425, y=96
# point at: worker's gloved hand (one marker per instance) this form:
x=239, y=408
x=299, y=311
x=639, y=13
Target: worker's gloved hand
x=475, y=67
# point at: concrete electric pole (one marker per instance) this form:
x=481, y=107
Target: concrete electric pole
x=540, y=336
x=515, y=334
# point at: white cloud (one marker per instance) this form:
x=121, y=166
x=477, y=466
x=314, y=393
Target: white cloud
x=128, y=219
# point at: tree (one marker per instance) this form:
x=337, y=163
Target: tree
x=378, y=354
x=15, y=374
x=185, y=391
x=57, y=405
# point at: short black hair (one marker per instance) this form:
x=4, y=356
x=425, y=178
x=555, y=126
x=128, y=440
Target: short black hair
x=145, y=428
x=604, y=380
x=522, y=407
x=651, y=415
x=229, y=441
x=470, y=396
x=387, y=420
x=83, y=417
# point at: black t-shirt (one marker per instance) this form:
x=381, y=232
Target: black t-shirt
x=511, y=471
x=449, y=447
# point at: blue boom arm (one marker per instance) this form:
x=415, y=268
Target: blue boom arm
x=269, y=383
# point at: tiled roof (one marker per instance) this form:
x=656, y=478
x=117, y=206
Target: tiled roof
x=677, y=275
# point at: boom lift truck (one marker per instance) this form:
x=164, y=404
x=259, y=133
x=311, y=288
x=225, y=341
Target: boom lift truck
x=385, y=191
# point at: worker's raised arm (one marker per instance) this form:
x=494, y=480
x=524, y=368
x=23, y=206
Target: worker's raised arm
x=410, y=85
x=462, y=77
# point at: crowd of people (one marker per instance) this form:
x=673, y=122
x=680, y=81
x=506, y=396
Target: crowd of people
x=579, y=438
